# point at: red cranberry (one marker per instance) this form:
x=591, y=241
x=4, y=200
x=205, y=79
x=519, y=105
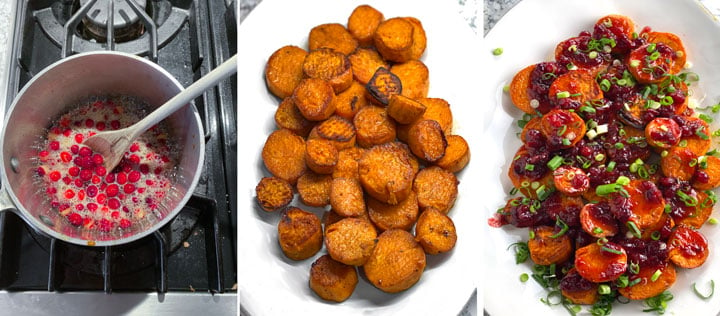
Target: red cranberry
x=79, y=138
x=92, y=207
x=134, y=176
x=115, y=124
x=100, y=126
x=75, y=149
x=129, y=188
x=55, y=175
x=91, y=191
x=114, y=204
x=75, y=219
x=54, y=145
x=105, y=225
x=98, y=159
x=85, y=151
x=65, y=156
x=134, y=147
x=41, y=171
x=112, y=190
x=69, y=194
x=121, y=178
x=86, y=175
x=110, y=178
x=144, y=168
x=101, y=198
x=89, y=123
x=124, y=223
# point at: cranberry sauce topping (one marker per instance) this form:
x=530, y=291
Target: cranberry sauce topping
x=601, y=212
x=540, y=80
x=532, y=165
x=681, y=204
x=573, y=282
x=689, y=127
x=645, y=253
x=618, y=33
x=565, y=208
x=582, y=51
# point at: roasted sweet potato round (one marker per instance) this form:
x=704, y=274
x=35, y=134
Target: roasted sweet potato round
x=299, y=234
x=646, y=287
x=350, y=101
x=386, y=173
x=284, y=155
x=314, y=189
x=707, y=176
x=383, y=85
x=579, y=86
x=601, y=263
x=332, y=280
x=336, y=129
x=283, y=70
x=404, y=110
x=427, y=140
x=329, y=65
x=394, y=39
x=688, y=247
x=346, y=197
x=436, y=109
x=415, y=78
x=314, y=98
x=365, y=62
x=678, y=163
x=289, y=117
x=646, y=203
x=419, y=39
x=332, y=35
x=397, y=262
x=347, y=165
x=320, y=155
x=577, y=289
x=596, y=219
x=374, y=126
x=519, y=90
x=663, y=133
x=436, y=187
x=545, y=249
x=571, y=181
x=435, y=231
x=400, y=216
x=457, y=154
x=351, y=240
x=273, y=193
x=363, y=22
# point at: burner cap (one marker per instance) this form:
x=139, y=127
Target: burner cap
x=124, y=15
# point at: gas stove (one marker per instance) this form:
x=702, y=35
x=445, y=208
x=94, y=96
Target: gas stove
x=186, y=267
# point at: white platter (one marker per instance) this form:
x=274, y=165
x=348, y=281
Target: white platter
x=528, y=34
x=271, y=284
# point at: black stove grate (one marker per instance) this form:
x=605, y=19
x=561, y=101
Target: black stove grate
x=194, y=252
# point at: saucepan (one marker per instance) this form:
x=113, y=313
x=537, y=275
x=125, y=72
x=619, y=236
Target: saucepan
x=48, y=95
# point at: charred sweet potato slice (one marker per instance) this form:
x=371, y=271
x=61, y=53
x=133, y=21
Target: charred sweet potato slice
x=365, y=62
x=329, y=65
x=579, y=86
x=346, y=197
x=320, y=155
x=679, y=162
x=457, y=154
x=397, y=262
x=597, y=220
x=336, y=129
x=273, y=193
x=284, y=155
x=382, y=85
x=646, y=203
x=647, y=287
x=374, y=126
x=427, y=140
x=386, y=173
x=436, y=187
x=363, y=22
x=707, y=176
x=332, y=35
x=404, y=110
x=314, y=98
x=350, y=101
x=332, y=280
x=415, y=78
x=519, y=90
x=436, y=109
x=394, y=39
x=314, y=189
x=283, y=70
x=663, y=133
x=400, y=216
x=289, y=117
x=351, y=240
x=548, y=247
x=688, y=247
x=435, y=231
x=299, y=234
x=571, y=181
x=598, y=263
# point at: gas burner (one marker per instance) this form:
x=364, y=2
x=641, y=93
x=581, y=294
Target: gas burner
x=126, y=24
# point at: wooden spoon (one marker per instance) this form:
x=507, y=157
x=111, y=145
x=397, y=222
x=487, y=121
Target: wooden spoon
x=112, y=145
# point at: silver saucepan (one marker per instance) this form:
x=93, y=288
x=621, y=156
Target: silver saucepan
x=48, y=95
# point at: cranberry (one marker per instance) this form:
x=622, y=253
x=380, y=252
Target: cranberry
x=74, y=149
x=65, y=156
x=144, y=168
x=55, y=175
x=85, y=175
x=135, y=159
x=121, y=178
x=85, y=151
x=112, y=190
x=115, y=124
x=69, y=194
x=91, y=191
x=100, y=170
x=573, y=282
x=40, y=171
x=110, y=178
x=134, y=176
x=89, y=123
x=75, y=219
x=101, y=198
x=115, y=214
x=701, y=176
x=105, y=225
x=124, y=223
x=114, y=204
x=54, y=145
x=129, y=188
x=79, y=138
x=98, y=159
x=92, y=207
x=100, y=126
x=134, y=147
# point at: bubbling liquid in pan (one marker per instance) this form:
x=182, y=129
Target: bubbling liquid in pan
x=82, y=190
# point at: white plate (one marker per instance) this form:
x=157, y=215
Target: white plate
x=528, y=34
x=269, y=283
